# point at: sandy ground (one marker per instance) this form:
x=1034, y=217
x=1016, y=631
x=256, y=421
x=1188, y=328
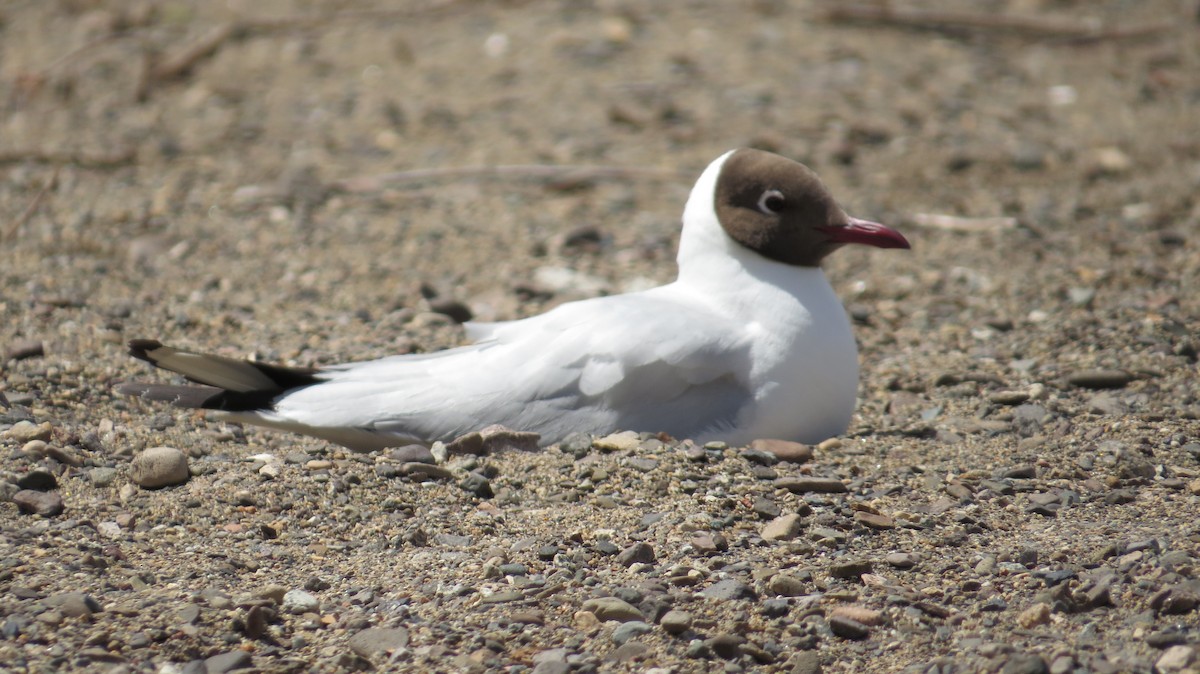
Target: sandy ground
x=222, y=176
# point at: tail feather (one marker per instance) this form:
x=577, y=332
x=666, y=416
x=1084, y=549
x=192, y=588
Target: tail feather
x=225, y=383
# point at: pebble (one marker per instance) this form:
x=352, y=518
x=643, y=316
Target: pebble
x=874, y=520
x=425, y=471
x=638, y=553
x=862, y=614
x=1008, y=397
x=850, y=568
x=1099, y=379
x=26, y=431
x=299, y=601
x=787, y=585
x=628, y=630
x=727, y=646
x=225, y=662
x=159, y=467
x=1038, y=614
x=497, y=439
x=612, y=608
x=411, y=454
x=374, y=640
x=848, y=628
x=102, y=477
x=625, y=441
x=901, y=560
x=729, y=589
x=476, y=484
x=676, y=621
x=38, y=480
x=806, y=485
x=74, y=604
x=784, y=450
x=782, y=528
x=1176, y=659
x=33, y=502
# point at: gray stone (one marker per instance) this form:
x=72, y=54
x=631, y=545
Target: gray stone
x=375, y=640
x=226, y=662
x=411, y=454
x=628, y=630
x=676, y=621
x=159, y=467
x=299, y=601
x=74, y=604
x=729, y=589
x=103, y=476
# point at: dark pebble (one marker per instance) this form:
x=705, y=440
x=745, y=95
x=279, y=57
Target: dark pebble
x=848, y=628
x=477, y=484
x=224, y=662
x=455, y=310
x=637, y=553
x=1098, y=379
x=759, y=457
x=25, y=350
x=727, y=646
x=851, y=568
x=424, y=471
x=44, y=503
x=38, y=480
x=766, y=508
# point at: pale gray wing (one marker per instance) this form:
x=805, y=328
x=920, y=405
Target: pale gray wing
x=631, y=362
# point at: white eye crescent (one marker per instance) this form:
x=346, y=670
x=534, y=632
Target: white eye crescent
x=771, y=202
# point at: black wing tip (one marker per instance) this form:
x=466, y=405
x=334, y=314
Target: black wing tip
x=141, y=348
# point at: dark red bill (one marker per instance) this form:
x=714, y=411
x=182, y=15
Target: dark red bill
x=867, y=233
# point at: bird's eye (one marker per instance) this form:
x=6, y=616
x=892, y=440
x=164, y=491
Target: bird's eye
x=771, y=202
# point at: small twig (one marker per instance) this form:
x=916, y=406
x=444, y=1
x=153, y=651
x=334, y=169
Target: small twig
x=97, y=161
x=960, y=224
x=179, y=63
x=15, y=226
x=1030, y=26
x=557, y=176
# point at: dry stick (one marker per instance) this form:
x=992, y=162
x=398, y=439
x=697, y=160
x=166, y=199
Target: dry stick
x=562, y=175
x=15, y=226
x=1037, y=27
x=97, y=161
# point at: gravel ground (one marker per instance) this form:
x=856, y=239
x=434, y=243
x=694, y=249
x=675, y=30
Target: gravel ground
x=1019, y=490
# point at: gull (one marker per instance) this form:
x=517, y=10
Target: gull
x=750, y=341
